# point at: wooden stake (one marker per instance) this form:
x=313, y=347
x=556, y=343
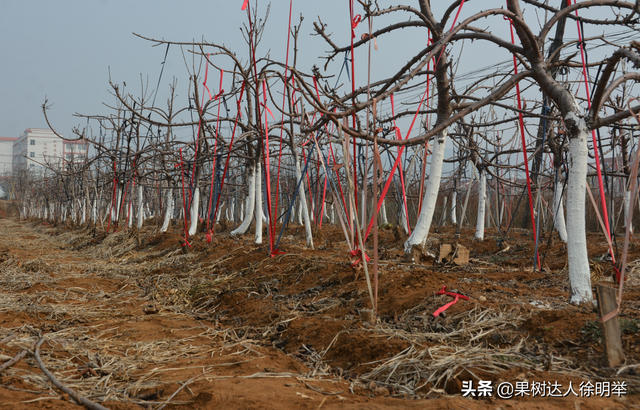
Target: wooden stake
x=611, y=336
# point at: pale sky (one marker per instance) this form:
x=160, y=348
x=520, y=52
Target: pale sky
x=65, y=49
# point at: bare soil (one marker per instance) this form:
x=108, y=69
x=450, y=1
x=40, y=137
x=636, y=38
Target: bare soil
x=129, y=319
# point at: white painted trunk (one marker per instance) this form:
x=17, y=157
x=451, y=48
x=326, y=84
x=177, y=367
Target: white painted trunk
x=421, y=230
x=300, y=208
x=403, y=217
x=258, y=207
x=94, y=211
x=74, y=211
x=332, y=215
x=324, y=211
x=627, y=201
x=482, y=208
x=129, y=214
x=118, y=204
x=579, y=274
x=219, y=214
x=558, y=209
x=83, y=218
x=168, y=213
x=303, y=207
x=454, y=207
x=140, y=220
x=193, y=228
x=248, y=210
x=383, y=212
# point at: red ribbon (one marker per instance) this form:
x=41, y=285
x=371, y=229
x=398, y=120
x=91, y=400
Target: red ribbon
x=357, y=253
x=618, y=274
x=454, y=295
x=267, y=108
x=354, y=23
x=277, y=252
x=245, y=4
x=209, y=236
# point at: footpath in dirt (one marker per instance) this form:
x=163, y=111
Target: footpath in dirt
x=129, y=321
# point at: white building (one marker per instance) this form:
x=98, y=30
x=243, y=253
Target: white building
x=43, y=149
x=6, y=155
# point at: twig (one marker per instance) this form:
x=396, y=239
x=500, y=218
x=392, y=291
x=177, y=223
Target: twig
x=322, y=391
x=13, y=361
x=8, y=339
x=175, y=393
x=87, y=403
x=625, y=369
x=10, y=387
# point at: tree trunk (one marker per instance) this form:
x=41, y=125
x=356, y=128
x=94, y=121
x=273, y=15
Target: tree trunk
x=168, y=210
x=248, y=211
x=303, y=206
x=140, y=219
x=403, y=217
x=258, y=206
x=579, y=273
x=454, y=207
x=482, y=201
x=421, y=230
x=558, y=209
x=195, y=204
x=383, y=212
x=627, y=202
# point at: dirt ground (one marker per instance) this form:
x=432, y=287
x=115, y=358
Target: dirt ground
x=127, y=320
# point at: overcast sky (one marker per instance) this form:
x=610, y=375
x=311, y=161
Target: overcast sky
x=66, y=50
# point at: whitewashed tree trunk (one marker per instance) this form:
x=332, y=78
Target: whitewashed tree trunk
x=73, y=211
x=118, y=204
x=324, y=211
x=454, y=207
x=403, y=217
x=627, y=201
x=558, y=209
x=579, y=273
x=482, y=202
x=248, y=210
x=168, y=213
x=258, y=206
x=130, y=214
x=140, y=220
x=421, y=230
x=303, y=206
x=300, y=209
x=193, y=228
x=83, y=216
x=219, y=214
x=383, y=212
